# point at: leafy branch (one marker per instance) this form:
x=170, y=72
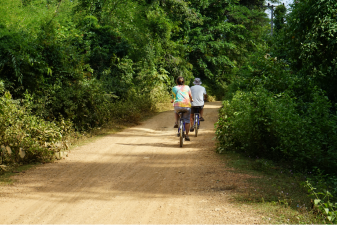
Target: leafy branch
x=323, y=204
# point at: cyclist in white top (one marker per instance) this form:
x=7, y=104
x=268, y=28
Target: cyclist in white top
x=199, y=95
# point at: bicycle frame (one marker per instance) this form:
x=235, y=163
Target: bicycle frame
x=196, y=122
x=196, y=118
x=181, y=120
x=181, y=129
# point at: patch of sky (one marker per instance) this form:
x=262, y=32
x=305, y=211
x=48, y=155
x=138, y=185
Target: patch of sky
x=287, y=4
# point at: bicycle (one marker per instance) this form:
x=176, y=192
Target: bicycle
x=196, y=123
x=181, y=128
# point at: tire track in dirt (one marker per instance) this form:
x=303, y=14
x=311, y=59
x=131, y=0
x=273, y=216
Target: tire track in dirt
x=139, y=175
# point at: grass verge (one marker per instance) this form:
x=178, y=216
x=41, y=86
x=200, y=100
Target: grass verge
x=77, y=139
x=80, y=139
x=5, y=178
x=275, y=192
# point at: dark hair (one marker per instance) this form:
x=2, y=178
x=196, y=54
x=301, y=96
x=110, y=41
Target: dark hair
x=180, y=81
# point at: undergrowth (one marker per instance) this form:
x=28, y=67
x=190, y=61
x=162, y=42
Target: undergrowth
x=21, y=130
x=276, y=191
x=6, y=178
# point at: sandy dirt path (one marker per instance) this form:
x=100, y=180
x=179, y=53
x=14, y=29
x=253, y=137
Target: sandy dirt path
x=139, y=175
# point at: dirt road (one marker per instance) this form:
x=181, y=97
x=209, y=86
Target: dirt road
x=140, y=175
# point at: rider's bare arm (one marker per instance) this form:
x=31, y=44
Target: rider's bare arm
x=191, y=97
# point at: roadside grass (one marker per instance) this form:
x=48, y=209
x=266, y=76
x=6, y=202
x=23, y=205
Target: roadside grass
x=5, y=178
x=80, y=139
x=77, y=139
x=164, y=106
x=211, y=98
x=275, y=191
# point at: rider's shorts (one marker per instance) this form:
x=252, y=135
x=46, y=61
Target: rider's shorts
x=186, y=112
x=193, y=109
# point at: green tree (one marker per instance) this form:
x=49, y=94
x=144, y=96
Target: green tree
x=310, y=42
x=280, y=13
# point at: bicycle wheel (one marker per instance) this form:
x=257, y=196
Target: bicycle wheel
x=196, y=127
x=181, y=133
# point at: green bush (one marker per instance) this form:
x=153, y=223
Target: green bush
x=19, y=129
x=83, y=102
x=245, y=123
x=37, y=125
x=269, y=72
x=323, y=203
x=132, y=110
x=263, y=124
x=87, y=105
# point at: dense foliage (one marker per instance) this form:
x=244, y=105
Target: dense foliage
x=281, y=102
x=311, y=41
x=92, y=62
x=266, y=118
x=20, y=130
